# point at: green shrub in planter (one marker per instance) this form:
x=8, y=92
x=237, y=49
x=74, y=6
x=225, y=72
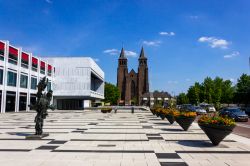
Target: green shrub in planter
x=184, y=119
x=216, y=127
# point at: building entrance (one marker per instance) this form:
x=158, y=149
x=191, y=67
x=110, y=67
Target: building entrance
x=10, y=101
x=69, y=104
x=22, y=101
x=32, y=99
x=0, y=100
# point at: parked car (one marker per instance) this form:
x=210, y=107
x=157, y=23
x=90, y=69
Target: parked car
x=186, y=107
x=211, y=108
x=200, y=111
x=235, y=113
x=208, y=107
x=247, y=110
x=178, y=106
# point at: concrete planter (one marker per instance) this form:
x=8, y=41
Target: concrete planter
x=106, y=110
x=170, y=118
x=162, y=116
x=216, y=133
x=184, y=122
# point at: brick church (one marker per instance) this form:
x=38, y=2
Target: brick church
x=132, y=85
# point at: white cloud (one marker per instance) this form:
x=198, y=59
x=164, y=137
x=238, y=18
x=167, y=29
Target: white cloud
x=49, y=1
x=152, y=43
x=130, y=53
x=167, y=33
x=114, y=51
x=188, y=79
x=234, y=54
x=214, y=42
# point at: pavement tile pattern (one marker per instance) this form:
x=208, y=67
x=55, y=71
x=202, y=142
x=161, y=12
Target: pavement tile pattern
x=117, y=139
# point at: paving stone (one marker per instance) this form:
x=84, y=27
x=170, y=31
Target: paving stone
x=57, y=142
x=92, y=138
x=167, y=155
x=47, y=147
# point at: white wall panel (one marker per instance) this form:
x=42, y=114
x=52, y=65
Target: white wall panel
x=73, y=77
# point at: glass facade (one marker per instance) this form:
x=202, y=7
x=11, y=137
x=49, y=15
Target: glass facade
x=13, y=55
x=1, y=76
x=2, y=46
x=49, y=86
x=33, y=83
x=23, y=81
x=18, y=82
x=42, y=71
x=25, y=64
x=11, y=81
x=25, y=60
x=12, y=61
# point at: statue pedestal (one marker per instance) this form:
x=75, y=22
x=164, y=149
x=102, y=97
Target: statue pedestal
x=36, y=137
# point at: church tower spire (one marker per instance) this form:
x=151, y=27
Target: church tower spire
x=122, y=54
x=142, y=55
x=142, y=59
x=122, y=72
x=143, y=85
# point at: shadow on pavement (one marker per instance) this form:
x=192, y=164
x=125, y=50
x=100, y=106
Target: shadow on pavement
x=199, y=143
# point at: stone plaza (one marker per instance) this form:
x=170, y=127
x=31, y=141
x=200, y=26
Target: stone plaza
x=92, y=138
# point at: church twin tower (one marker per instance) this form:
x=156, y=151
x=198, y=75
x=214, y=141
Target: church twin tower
x=132, y=85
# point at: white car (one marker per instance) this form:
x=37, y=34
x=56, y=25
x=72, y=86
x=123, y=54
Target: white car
x=208, y=107
x=211, y=109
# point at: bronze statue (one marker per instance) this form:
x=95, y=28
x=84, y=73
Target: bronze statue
x=42, y=104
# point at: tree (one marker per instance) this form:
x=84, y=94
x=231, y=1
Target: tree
x=227, y=92
x=182, y=99
x=111, y=93
x=208, y=90
x=217, y=92
x=193, y=93
x=243, y=89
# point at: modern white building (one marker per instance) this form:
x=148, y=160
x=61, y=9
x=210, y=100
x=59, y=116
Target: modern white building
x=78, y=82
x=19, y=74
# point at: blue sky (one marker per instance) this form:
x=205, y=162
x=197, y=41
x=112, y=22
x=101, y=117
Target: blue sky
x=184, y=40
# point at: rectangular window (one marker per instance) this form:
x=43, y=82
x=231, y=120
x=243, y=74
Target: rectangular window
x=49, y=86
x=13, y=55
x=33, y=83
x=11, y=81
x=42, y=67
x=1, y=76
x=2, y=46
x=34, y=64
x=49, y=70
x=23, y=81
x=25, y=60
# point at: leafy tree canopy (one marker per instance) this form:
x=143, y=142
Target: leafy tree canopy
x=111, y=93
x=242, y=94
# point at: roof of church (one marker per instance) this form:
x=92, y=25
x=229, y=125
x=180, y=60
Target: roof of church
x=132, y=71
x=142, y=54
x=122, y=54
